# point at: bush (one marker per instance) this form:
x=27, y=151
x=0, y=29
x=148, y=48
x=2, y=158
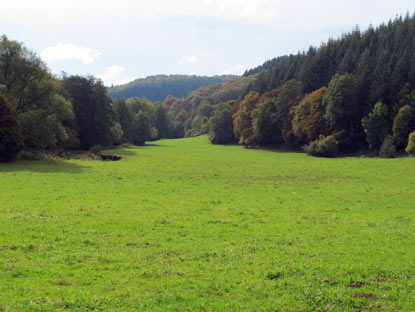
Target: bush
x=323, y=147
x=410, y=149
x=26, y=155
x=388, y=148
x=96, y=150
x=192, y=133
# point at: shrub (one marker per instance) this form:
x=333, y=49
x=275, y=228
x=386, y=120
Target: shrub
x=192, y=133
x=323, y=147
x=26, y=155
x=96, y=150
x=388, y=148
x=410, y=149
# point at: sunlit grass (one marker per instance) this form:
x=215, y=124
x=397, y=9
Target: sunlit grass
x=184, y=225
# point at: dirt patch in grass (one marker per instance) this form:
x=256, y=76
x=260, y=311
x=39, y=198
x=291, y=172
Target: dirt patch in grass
x=365, y=295
x=357, y=284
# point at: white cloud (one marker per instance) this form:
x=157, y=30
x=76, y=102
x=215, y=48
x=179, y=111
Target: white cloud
x=95, y=12
x=188, y=59
x=115, y=75
x=70, y=51
x=260, y=10
x=236, y=70
x=220, y=32
x=64, y=11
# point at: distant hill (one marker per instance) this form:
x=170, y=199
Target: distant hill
x=189, y=115
x=212, y=94
x=157, y=88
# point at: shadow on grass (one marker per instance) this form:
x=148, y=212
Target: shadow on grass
x=121, y=152
x=149, y=145
x=131, y=149
x=42, y=166
x=279, y=149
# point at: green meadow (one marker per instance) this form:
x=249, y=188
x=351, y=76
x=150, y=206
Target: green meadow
x=182, y=225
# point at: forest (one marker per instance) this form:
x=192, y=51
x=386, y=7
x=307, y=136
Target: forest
x=354, y=94
x=41, y=112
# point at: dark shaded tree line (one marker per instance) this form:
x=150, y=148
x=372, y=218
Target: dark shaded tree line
x=39, y=111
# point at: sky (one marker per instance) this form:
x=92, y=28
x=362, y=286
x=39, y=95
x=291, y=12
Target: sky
x=118, y=41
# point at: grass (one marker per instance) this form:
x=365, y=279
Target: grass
x=182, y=225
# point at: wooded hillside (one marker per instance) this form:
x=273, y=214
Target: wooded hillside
x=157, y=88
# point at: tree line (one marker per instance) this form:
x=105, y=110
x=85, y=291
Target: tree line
x=189, y=116
x=39, y=111
x=350, y=94
x=356, y=93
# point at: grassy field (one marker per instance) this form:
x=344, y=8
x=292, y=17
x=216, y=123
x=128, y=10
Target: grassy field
x=182, y=225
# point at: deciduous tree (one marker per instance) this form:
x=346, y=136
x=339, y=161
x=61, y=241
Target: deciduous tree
x=221, y=127
x=376, y=125
x=242, y=119
x=34, y=94
x=11, y=141
x=403, y=124
x=309, y=121
x=93, y=111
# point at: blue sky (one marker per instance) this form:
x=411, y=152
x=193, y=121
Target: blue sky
x=121, y=40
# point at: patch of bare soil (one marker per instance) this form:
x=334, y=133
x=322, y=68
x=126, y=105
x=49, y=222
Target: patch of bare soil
x=356, y=284
x=365, y=295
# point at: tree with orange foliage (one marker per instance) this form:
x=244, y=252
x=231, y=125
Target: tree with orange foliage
x=309, y=121
x=242, y=119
